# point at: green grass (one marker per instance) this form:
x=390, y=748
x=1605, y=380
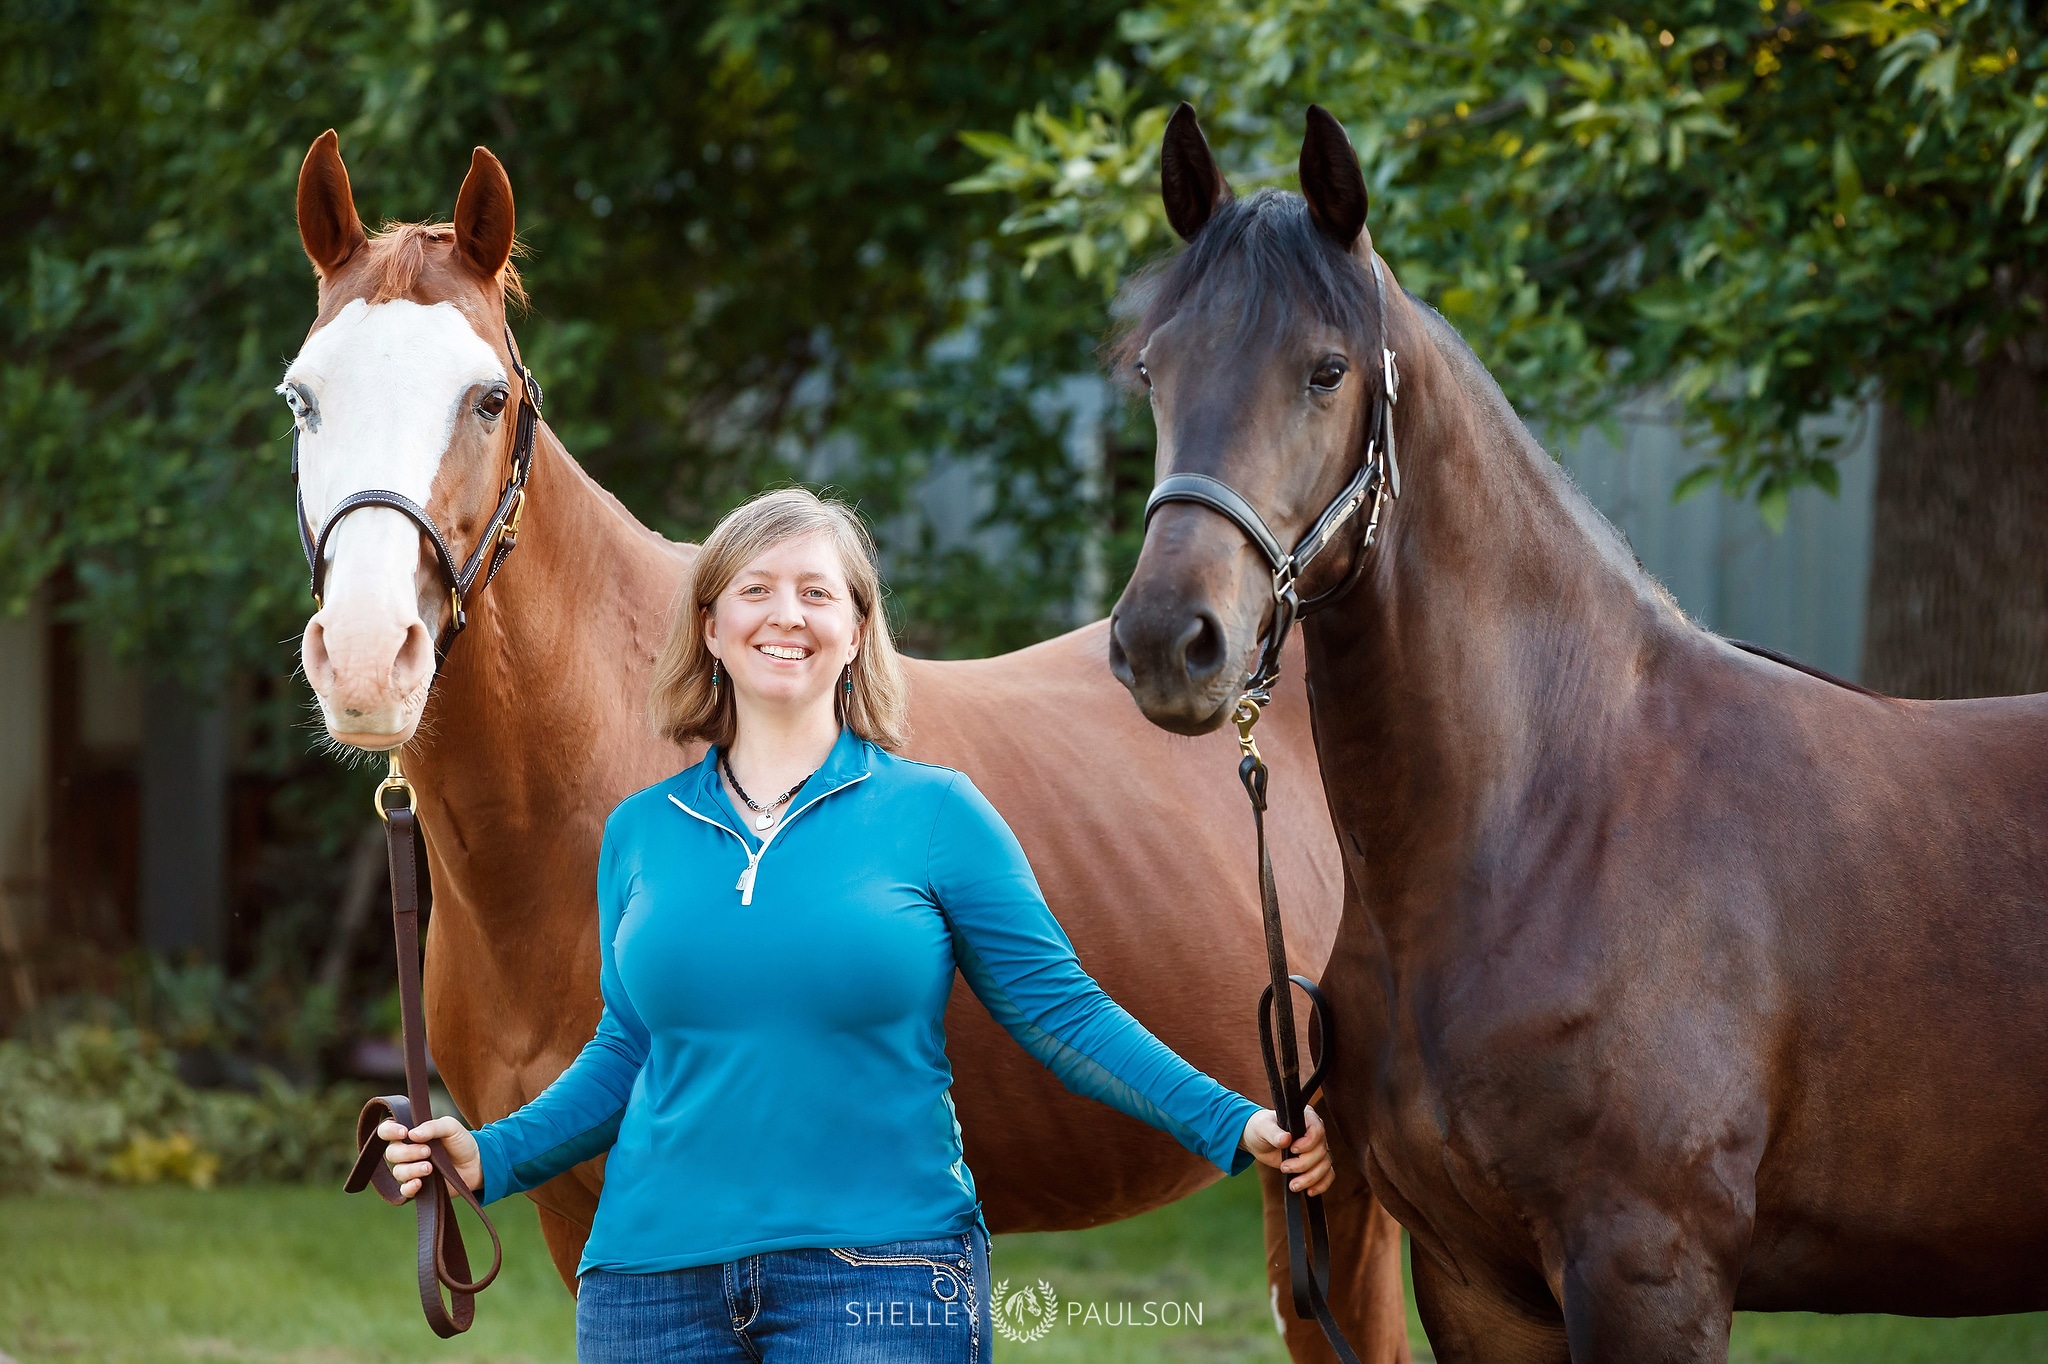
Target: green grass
x=256, y=1276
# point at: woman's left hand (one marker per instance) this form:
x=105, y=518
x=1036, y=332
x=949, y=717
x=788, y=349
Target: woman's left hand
x=1308, y=1163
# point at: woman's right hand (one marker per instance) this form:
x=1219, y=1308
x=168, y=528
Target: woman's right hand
x=410, y=1163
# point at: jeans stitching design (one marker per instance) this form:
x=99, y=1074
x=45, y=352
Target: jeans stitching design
x=960, y=1271
x=731, y=1272
x=754, y=1288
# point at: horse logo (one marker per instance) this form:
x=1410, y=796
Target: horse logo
x=1027, y=1314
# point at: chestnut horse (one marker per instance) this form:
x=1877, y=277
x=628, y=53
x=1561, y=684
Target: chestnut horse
x=1671, y=980
x=536, y=727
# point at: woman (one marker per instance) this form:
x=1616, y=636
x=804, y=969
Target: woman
x=778, y=929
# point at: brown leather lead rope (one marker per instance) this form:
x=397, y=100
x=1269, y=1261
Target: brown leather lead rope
x=1308, y=1234
x=442, y=1262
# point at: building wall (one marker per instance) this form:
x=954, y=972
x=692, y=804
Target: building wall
x=1801, y=591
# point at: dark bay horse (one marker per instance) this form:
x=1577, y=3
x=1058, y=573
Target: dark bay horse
x=534, y=729
x=1671, y=980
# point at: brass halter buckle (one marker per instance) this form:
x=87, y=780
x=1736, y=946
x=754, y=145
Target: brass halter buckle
x=394, y=780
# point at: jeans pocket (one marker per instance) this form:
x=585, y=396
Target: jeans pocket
x=949, y=1259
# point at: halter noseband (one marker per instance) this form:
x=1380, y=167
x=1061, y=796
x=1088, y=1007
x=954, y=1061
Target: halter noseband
x=500, y=534
x=1378, y=477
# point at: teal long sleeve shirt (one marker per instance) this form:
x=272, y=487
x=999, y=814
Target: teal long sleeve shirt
x=770, y=1068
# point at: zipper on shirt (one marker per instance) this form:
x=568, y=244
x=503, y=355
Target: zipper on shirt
x=745, y=885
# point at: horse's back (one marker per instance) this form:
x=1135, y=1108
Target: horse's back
x=1890, y=859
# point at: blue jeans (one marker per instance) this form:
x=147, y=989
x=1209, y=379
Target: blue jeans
x=901, y=1302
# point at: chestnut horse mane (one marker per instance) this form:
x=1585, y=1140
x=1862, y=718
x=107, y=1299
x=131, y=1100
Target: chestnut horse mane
x=397, y=256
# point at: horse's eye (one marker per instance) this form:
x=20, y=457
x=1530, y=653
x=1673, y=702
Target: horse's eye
x=1327, y=376
x=1144, y=374
x=493, y=402
x=304, y=410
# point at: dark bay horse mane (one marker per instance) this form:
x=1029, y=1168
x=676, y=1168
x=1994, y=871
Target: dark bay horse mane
x=1263, y=250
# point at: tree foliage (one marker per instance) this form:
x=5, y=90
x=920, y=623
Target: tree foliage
x=1768, y=205
x=741, y=255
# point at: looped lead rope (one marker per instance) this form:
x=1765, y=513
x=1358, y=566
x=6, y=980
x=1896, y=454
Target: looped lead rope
x=1308, y=1233
x=441, y=1260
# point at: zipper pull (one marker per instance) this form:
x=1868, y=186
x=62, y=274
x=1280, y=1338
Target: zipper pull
x=746, y=881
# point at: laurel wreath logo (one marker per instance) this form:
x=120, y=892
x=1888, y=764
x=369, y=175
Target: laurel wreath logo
x=1027, y=1314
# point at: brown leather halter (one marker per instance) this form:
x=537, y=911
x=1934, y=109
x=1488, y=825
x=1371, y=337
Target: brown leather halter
x=441, y=1260
x=1378, y=477
x=500, y=536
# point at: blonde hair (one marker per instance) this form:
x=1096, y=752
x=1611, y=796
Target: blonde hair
x=685, y=706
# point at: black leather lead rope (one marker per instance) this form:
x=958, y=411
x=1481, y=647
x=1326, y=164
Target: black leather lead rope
x=1308, y=1233
x=441, y=1260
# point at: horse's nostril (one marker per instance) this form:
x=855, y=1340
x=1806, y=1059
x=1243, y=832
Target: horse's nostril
x=1119, y=661
x=1202, y=647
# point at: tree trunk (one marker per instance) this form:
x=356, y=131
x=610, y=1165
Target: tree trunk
x=1959, y=546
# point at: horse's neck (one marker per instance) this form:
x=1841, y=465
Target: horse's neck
x=538, y=722
x=1486, y=648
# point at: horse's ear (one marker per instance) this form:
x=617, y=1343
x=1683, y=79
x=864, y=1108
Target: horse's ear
x=483, y=216
x=328, y=226
x=1188, y=179
x=1331, y=180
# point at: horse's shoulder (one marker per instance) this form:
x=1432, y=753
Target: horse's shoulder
x=913, y=774
x=647, y=802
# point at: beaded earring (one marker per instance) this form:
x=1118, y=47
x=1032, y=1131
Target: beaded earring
x=714, y=679
x=849, y=679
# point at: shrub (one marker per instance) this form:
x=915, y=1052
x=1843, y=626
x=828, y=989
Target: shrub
x=106, y=1103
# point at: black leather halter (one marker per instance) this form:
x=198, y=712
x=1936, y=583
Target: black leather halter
x=1378, y=477
x=500, y=534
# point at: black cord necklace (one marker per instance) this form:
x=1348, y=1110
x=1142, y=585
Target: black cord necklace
x=764, y=815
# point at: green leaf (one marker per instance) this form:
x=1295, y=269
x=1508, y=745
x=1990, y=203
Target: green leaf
x=1938, y=75
x=1697, y=481
x=1773, y=502
x=1848, y=180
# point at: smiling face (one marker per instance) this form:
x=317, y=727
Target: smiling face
x=785, y=626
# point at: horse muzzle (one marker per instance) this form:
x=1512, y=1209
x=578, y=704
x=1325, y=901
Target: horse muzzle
x=370, y=670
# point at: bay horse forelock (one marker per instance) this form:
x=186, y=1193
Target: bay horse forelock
x=536, y=727
x=1671, y=980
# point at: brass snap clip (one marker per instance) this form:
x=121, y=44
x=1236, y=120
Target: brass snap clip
x=1246, y=716
x=395, y=780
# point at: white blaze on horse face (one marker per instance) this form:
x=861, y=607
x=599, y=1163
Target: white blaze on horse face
x=382, y=386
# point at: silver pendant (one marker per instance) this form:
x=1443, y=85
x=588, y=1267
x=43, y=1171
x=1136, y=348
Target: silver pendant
x=764, y=819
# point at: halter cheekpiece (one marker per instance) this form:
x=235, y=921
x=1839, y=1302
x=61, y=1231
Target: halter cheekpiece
x=1378, y=478
x=500, y=534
